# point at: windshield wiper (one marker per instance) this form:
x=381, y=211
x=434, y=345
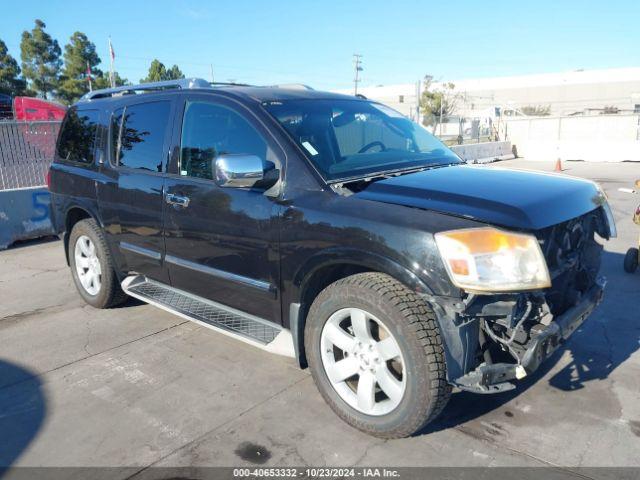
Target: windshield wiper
x=372, y=177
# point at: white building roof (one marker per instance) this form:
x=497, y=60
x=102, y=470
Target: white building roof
x=576, y=77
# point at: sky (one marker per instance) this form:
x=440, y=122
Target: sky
x=298, y=41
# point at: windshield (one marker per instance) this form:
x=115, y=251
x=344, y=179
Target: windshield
x=355, y=138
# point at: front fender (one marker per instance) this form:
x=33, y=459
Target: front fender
x=457, y=339
x=356, y=257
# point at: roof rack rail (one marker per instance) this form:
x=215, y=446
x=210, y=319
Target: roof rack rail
x=293, y=86
x=230, y=84
x=182, y=83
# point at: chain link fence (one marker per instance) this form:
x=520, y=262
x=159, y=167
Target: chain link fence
x=458, y=130
x=26, y=151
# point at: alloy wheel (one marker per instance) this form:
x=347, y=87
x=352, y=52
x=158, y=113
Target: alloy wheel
x=88, y=265
x=363, y=361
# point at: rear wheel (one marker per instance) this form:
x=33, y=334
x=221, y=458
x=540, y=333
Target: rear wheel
x=631, y=260
x=92, y=266
x=375, y=353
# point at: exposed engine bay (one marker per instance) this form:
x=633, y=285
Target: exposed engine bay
x=511, y=325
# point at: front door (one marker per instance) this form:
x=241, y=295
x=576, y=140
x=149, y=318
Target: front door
x=221, y=243
x=131, y=190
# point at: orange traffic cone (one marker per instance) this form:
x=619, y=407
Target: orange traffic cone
x=558, y=166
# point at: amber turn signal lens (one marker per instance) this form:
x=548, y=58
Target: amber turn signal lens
x=492, y=260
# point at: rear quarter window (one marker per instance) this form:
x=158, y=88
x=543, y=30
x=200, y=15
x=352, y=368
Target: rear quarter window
x=78, y=137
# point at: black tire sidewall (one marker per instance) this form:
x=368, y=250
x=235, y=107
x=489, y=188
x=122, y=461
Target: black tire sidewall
x=416, y=396
x=631, y=260
x=102, y=298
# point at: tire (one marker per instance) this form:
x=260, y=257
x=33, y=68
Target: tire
x=105, y=291
x=393, y=311
x=631, y=260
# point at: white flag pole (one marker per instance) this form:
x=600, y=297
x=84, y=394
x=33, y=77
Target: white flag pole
x=112, y=57
x=89, y=76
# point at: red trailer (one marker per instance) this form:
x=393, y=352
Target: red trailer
x=35, y=109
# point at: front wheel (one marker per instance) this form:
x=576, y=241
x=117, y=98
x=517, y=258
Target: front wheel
x=631, y=260
x=375, y=353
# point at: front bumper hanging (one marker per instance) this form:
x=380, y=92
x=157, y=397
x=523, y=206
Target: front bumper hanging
x=497, y=377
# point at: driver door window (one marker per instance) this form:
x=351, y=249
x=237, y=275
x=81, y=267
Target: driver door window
x=210, y=130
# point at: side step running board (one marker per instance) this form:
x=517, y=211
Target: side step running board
x=242, y=326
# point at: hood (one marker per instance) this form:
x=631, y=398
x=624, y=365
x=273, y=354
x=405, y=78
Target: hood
x=503, y=197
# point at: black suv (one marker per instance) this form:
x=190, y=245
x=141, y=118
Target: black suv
x=329, y=228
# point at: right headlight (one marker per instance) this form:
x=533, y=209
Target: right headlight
x=491, y=260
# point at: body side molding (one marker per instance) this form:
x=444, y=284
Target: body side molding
x=141, y=251
x=233, y=277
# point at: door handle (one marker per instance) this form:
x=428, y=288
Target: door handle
x=177, y=200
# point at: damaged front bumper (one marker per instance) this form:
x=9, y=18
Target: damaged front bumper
x=497, y=377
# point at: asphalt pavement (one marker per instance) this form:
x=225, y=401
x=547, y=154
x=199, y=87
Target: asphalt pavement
x=136, y=386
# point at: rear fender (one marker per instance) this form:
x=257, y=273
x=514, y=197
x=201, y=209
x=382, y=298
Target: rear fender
x=85, y=206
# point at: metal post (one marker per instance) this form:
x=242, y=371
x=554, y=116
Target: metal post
x=441, y=102
x=112, y=76
x=357, y=65
x=418, y=102
x=89, y=76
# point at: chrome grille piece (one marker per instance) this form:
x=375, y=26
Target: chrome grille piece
x=203, y=310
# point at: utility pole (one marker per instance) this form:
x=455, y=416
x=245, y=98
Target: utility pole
x=441, y=102
x=357, y=66
x=418, y=102
x=211, y=65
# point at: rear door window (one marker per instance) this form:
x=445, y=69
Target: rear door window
x=138, y=133
x=78, y=136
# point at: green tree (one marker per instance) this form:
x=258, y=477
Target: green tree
x=10, y=81
x=536, y=110
x=102, y=80
x=437, y=105
x=174, y=73
x=158, y=73
x=78, y=53
x=41, y=62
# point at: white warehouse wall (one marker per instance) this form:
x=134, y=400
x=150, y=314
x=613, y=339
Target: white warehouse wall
x=598, y=138
x=565, y=92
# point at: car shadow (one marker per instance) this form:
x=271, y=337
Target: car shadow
x=23, y=409
x=130, y=302
x=605, y=341
x=18, y=244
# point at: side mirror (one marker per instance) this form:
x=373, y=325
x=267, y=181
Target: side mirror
x=239, y=171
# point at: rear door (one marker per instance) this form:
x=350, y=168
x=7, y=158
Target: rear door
x=221, y=243
x=131, y=192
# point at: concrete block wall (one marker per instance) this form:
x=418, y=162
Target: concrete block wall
x=24, y=214
x=484, y=152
